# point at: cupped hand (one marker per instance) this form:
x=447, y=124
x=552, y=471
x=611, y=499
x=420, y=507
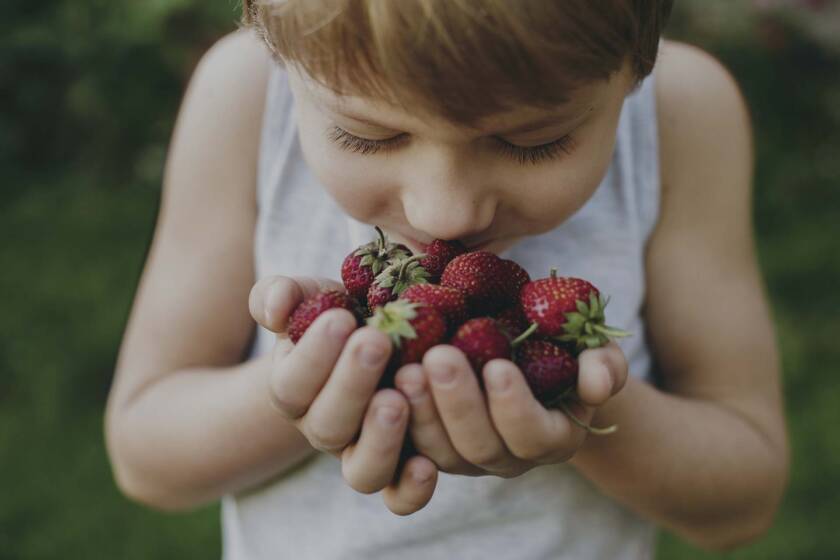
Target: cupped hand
x=501, y=430
x=326, y=386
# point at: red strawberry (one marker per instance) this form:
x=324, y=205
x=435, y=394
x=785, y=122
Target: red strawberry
x=479, y=275
x=450, y=302
x=438, y=254
x=489, y=282
x=549, y=369
x=482, y=340
x=552, y=373
x=413, y=328
x=570, y=309
x=308, y=310
x=399, y=275
x=362, y=265
x=514, y=277
x=512, y=319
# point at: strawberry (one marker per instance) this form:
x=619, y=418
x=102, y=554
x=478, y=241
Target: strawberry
x=568, y=309
x=489, y=282
x=549, y=369
x=552, y=373
x=439, y=253
x=514, y=277
x=400, y=274
x=362, y=265
x=308, y=310
x=481, y=340
x=512, y=319
x=413, y=328
x=450, y=302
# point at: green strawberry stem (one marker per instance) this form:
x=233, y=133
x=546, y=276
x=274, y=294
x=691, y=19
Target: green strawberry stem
x=560, y=401
x=406, y=262
x=591, y=429
x=383, y=243
x=585, y=327
x=610, y=331
x=521, y=338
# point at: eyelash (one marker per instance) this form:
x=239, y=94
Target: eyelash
x=522, y=155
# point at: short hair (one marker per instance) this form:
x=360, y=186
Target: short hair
x=461, y=59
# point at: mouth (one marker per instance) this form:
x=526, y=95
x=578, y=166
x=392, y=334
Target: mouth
x=418, y=246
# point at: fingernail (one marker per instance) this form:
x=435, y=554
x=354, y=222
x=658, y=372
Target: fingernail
x=410, y=382
x=497, y=379
x=610, y=382
x=389, y=415
x=413, y=390
x=270, y=296
x=443, y=374
x=371, y=356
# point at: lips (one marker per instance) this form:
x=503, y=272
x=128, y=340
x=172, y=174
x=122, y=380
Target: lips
x=417, y=246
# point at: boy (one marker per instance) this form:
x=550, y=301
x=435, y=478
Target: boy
x=530, y=129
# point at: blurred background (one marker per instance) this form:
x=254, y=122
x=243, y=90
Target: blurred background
x=89, y=91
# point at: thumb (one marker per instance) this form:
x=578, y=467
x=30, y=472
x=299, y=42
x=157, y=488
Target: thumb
x=274, y=298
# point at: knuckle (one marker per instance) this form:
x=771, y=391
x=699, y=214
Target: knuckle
x=358, y=480
x=528, y=451
x=288, y=406
x=325, y=439
x=486, y=456
x=452, y=464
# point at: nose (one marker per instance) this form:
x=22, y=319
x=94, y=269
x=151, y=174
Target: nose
x=447, y=198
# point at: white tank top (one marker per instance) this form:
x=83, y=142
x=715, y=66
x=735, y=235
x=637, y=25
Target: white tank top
x=549, y=512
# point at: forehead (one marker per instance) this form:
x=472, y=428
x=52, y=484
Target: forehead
x=578, y=102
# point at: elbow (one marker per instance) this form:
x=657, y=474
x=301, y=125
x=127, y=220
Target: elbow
x=137, y=483
x=733, y=536
x=142, y=492
x=149, y=492
x=747, y=524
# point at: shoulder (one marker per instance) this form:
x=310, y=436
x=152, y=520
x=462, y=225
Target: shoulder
x=220, y=120
x=702, y=116
x=239, y=58
x=231, y=77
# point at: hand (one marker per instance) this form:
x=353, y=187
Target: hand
x=506, y=431
x=325, y=385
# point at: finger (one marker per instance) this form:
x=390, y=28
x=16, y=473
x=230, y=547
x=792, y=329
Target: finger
x=602, y=373
x=413, y=488
x=369, y=464
x=297, y=377
x=334, y=417
x=529, y=430
x=462, y=409
x=274, y=298
x=425, y=426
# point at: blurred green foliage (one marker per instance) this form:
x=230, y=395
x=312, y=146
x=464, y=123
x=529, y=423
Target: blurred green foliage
x=88, y=95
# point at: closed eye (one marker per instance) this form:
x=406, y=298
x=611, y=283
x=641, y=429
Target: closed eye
x=524, y=155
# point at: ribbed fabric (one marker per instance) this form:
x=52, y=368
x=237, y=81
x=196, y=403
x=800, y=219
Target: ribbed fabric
x=549, y=512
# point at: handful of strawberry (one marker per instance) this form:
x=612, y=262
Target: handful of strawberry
x=486, y=306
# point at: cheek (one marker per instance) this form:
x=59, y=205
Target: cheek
x=557, y=192
x=359, y=188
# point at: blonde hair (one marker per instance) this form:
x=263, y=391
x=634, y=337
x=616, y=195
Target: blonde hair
x=462, y=59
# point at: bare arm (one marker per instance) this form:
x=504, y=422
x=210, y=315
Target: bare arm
x=707, y=457
x=186, y=422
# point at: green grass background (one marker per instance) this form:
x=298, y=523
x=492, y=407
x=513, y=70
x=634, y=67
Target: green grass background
x=88, y=94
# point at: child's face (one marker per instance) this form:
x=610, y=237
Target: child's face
x=420, y=177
